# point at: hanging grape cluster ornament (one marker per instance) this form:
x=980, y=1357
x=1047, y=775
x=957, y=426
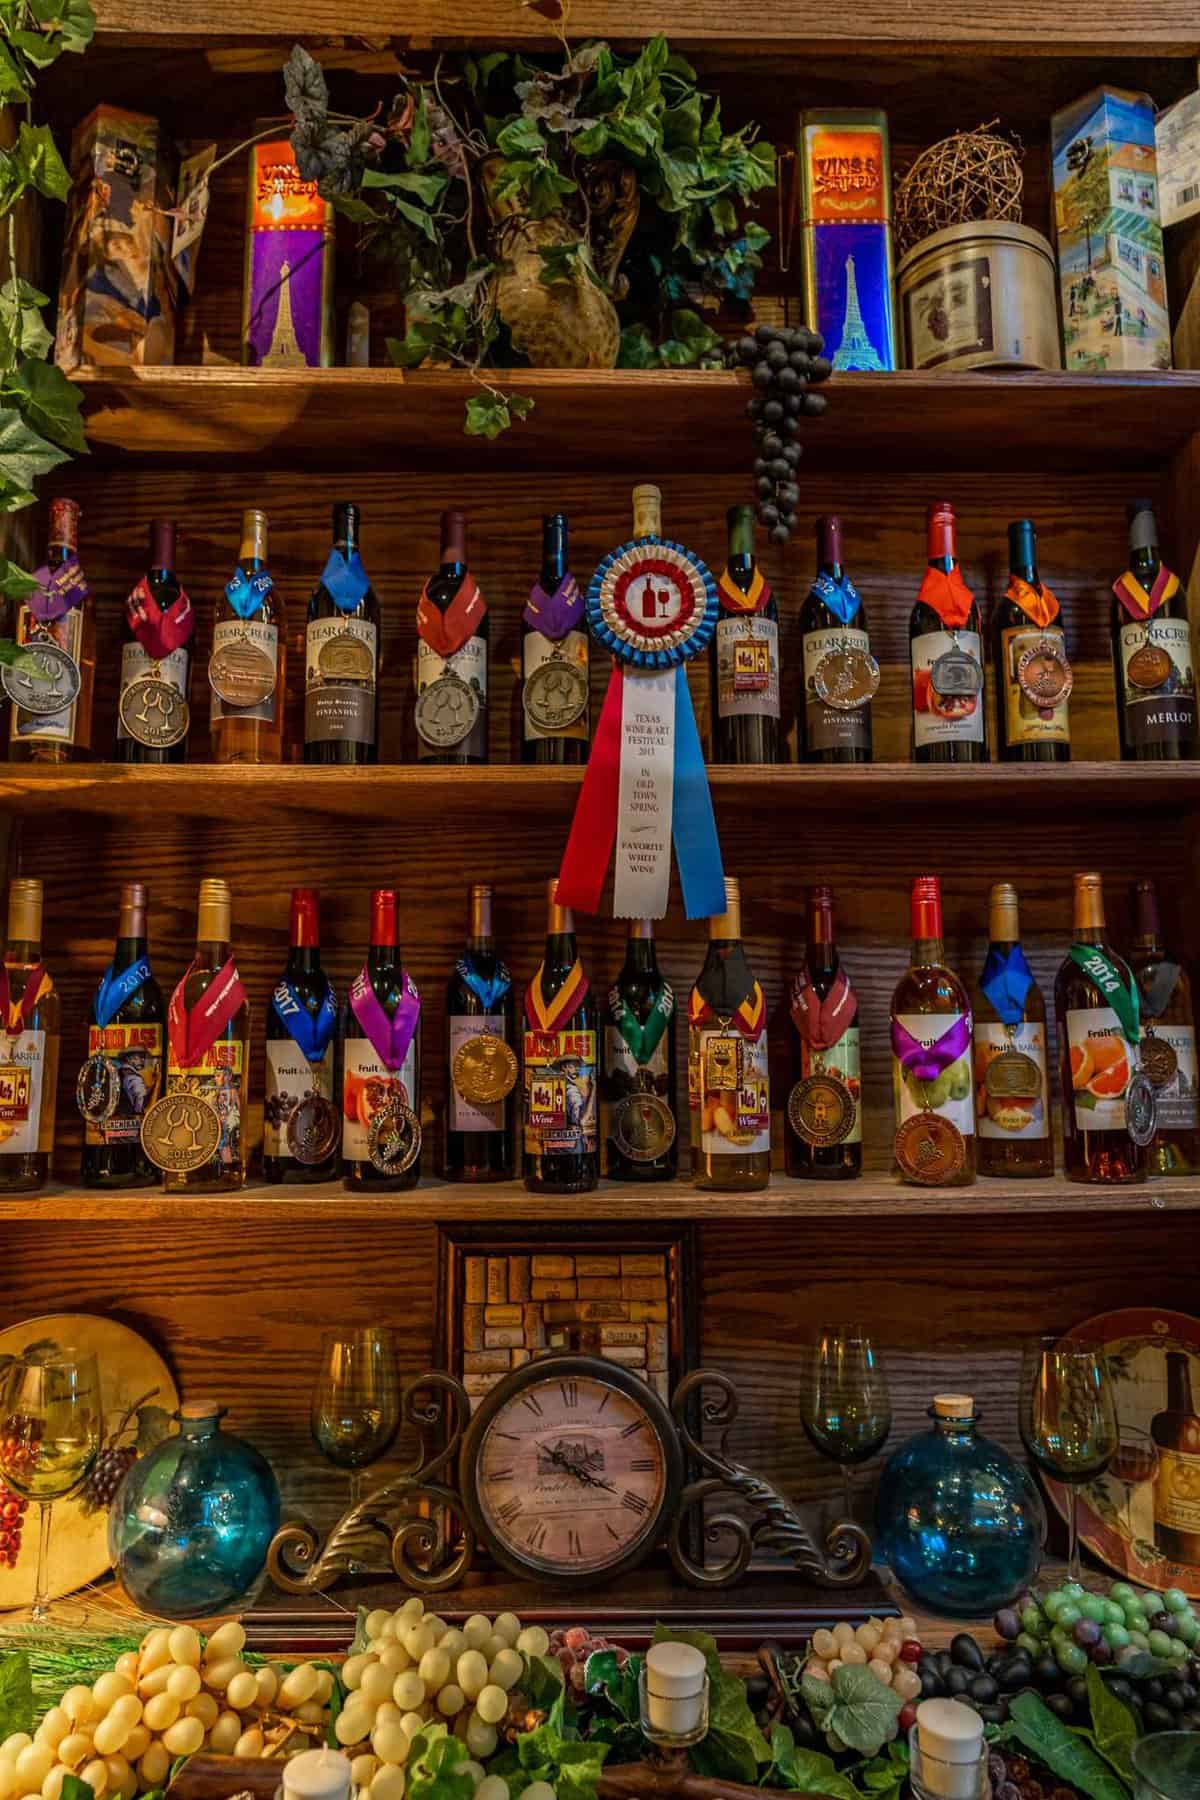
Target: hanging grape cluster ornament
x=785, y=364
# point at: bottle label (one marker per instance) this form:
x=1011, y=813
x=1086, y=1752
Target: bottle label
x=48, y=728
x=833, y=727
x=470, y=664
x=948, y=314
x=840, y=1060
x=948, y=714
x=1102, y=1064
x=138, y=665
x=560, y=1093
x=137, y=1052
x=290, y=1080
x=1025, y=721
x=248, y=653
x=1011, y=1086
x=1178, y=1099
x=729, y=1089
x=1158, y=682
x=339, y=681
x=367, y=1086
x=536, y=652
x=748, y=667
x=220, y=1078
x=473, y=1115
x=22, y=1074
x=949, y=1093
x=1177, y=1491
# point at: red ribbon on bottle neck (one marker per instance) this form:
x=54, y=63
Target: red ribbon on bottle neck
x=822, y=1023
x=159, y=630
x=446, y=632
x=948, y=594
x=17, y=1013
x=192, y=1034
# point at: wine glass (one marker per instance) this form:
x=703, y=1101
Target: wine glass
x=50, y=1426
x=845, y=1406
x=1135, y=1463
x=356, y=1399
x=1068, y=1420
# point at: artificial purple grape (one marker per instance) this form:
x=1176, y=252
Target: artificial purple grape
x=1008, y=1624
x=1087, y=1633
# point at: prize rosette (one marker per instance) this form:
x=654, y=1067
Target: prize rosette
x=654, y=605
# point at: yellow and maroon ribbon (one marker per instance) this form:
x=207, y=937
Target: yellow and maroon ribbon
x=749, y=1017
x=17, y=1013
x=1037, y=603
x=446, y=632
x=948, y=594
x=1133, y=596
x=548, y=1015
x=734, y=600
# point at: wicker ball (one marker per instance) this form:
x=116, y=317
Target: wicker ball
x=972, y=175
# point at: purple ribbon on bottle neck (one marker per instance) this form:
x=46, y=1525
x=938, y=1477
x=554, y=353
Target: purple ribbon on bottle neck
x=390, y=1037
x=926, y=1061
x=58, y=590
x=557, y=613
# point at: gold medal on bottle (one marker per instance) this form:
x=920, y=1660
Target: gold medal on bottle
x=485, y=1069
x=346, y=657
x=153, y=712
x=394, y=1138
x=241, y=673
x=821, y=1109
x=643, y=1125
x=555, y=695
x=181, y=1132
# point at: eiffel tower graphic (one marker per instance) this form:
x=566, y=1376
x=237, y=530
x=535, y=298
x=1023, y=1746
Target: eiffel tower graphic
x=856, y=351
x=284, y=351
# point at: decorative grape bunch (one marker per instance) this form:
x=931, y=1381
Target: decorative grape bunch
x=888, y=1648
x=785, y=363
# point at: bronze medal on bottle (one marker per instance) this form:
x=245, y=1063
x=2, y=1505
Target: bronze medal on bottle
x=485, y=1069
x=821, y=1110
x=955, y=674
x=643, y=1126
x=1044, y=675
x=98, y=1089
x=181, y=1132
x=555, y=695
x=929, y=1149
x=1012, y=1076
x=346, y=657
x=313, y=1128
x=1141, y=1109
x=722, y=1061
x=394, y=1138
x=446, y=711
x=241, y=673
x=846, y=678
x=45, y=681
x=1158, y=1059
x=154, y=712
x=1150, y=665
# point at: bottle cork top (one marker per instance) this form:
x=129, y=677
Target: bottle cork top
x=729, y=923
x=214, y=912
x=647, y=510
x=24, y=910
x=954, y=1406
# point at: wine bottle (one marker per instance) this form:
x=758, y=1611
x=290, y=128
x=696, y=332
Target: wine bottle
x=947, y=655
x=823, y=1125
x=341, y=654
x=1033, y=676
x=452, y=657
x=1176, y=1431
x=58, y=622
x=554, y=658
x=248, y=664
x=931, y=1056
x=1168, y=1045
x=561, y=1141
x=208, y=1045
x=123, y=1075
x=1012, y=1090
x=381, y=1063
x=840, y=673
x=301, y=1126
x=481, y=1051
x=1103, y=1093
x=1152, y=652
x=745, y=654
x=641, y=1136
x=728, y=1081
x=153, y=713
x=28, y=1047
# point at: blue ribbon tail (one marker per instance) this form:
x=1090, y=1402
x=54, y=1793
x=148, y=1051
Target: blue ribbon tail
x=693, y=827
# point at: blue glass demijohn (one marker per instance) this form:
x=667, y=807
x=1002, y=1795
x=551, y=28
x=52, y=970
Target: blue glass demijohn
x=958, y=1521
x=190, y=1526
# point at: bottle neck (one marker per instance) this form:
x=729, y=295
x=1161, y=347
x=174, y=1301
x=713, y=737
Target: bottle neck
x=1179, y=1383
x=1089, y=915
x=928, y=952
x=1148, y=925
x=561, y=951
x=641, y=956
x=345, y=532
x=554, y=551
x=23, y=952
x=212, y=953
x=942, y=551
x=454, y=543
x=127, y=951
x=253, y=552
x=382, y=956
x=304, y=959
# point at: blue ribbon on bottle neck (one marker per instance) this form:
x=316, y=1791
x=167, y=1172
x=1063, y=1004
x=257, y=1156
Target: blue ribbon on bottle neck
x=310, y=1031
x=116, y=989
x=344, y=579
x=840, y=596
x=488, y=990
x=246, y=590
x=1006, y=981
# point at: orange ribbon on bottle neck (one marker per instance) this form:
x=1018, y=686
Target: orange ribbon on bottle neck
x=948, y=594
x=752, y=600
x=1037, y=603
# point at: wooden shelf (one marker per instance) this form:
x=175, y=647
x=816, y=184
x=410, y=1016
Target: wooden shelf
x=875, y=1195
x=633, y=421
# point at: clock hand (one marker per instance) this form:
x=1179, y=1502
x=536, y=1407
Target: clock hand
x=564, y=1462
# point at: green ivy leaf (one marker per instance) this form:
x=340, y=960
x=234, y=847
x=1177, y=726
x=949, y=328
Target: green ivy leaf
x=15, y=584
x=1061, y=1749
x=36, y=154
x=521, y=137
x=13, y=85
x=24, y=454
x=420, y=139
x=428, y=188
x=1113, y=1723
x=356, y=210
x=73, y=1788
x=37, y=49
x=436, y=1767
x=14, y=497
x=49, y=402
x=490, y=413
x=857, y=1707
x=806, y=1771
x=603, y=1676
x=74, y=20
x=416, y=216
x=16, y=1694
x=546, y=190
x=592, y=140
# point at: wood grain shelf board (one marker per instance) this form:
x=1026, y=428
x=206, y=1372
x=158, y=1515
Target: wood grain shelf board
x=873, y=1196
x=635, y=421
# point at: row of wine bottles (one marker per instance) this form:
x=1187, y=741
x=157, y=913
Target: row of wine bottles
x=342, y=644
x=343, y=1084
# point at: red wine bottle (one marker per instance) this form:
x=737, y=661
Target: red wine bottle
x=1152, y=652
x=554, y=658
x=300, y=1119
x=1033, y=676
x=481, y=1047
x=341, y=654
x=381, y=1064
x=840, y=674
x=823, y=1136
x=745, y=654
x=156, y=660
x=947, y=656
x=125, y=1032
x=562, y=1153
x=452, y=657
x=639, y=1065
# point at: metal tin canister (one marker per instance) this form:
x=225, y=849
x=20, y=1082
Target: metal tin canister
x=979, y=296
x=844, y=195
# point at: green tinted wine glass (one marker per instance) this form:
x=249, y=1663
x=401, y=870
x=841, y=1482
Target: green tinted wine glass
x=50, y=1425
x=1068, y=1420
x=845, y=1405
x=356, y=1399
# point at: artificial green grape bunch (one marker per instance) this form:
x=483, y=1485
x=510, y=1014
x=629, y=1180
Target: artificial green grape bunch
x=785, y=364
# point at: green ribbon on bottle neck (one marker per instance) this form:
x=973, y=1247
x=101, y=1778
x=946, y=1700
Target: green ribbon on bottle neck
x=1122, y=996
x=643, y=1039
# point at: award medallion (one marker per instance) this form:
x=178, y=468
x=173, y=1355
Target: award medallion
x=485, y=1069
x=1149, y=666
x=394, y=1138
x=154, y=712
x=1141, y=1109
x=346, y=657
x=846, y=678
x=821, y=1110
x=98, y=1089
x=556, y=694
x=955, y=675
x=241, y=674
x=1044, y=675
x=181, y=1132
x=722, y=1061
x=1158, y=1059
x=313, y=1129
x=1012, y=1076
x=929, y=1149
x=643, y=1126
x=446, y=711
x=45, y=681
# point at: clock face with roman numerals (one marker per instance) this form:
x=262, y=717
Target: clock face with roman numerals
x=572, y=1466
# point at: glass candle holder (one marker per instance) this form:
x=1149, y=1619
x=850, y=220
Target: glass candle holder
x=673, y=1696
x=1167, y=1766
x=938, y=1778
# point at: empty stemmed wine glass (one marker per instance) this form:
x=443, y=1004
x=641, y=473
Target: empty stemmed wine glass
x=845, y=1406
x=356, y=1399
x=50, y=1424
x=1068, y=1420
x=1135, y=1463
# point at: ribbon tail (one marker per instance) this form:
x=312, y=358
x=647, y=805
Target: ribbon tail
x=594, y=827
x=697, y=848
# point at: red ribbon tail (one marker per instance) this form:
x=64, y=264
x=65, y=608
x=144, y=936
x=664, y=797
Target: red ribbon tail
x=594, y=827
